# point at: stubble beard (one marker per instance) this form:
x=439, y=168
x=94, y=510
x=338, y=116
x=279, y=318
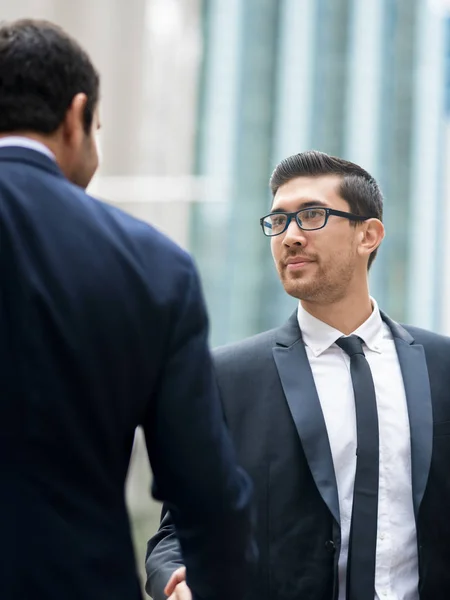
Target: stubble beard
x=327, y=286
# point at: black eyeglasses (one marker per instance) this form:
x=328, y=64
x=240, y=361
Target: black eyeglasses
x=308, y=219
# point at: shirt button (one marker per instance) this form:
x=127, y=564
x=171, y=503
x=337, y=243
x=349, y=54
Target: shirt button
x=384, y=593
x=382, y=536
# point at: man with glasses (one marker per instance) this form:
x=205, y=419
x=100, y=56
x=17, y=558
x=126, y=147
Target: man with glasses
x=341, y=416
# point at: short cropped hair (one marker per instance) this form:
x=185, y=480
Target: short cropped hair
x=42, y=68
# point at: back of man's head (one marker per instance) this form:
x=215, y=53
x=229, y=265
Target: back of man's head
x=41, y=70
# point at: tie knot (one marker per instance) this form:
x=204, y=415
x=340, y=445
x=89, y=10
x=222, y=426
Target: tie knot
x=351, y=345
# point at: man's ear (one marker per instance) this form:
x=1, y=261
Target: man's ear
x=370, y=237
x=73, y=125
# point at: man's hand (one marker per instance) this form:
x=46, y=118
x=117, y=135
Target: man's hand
x=176, y=587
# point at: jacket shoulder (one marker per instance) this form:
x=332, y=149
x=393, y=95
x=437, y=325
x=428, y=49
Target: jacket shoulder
x=245, y=351
x=142, y=236
x=428, y=338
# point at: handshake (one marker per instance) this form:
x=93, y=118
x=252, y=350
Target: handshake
x=176, y=588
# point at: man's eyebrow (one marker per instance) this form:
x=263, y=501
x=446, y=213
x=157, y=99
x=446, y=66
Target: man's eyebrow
x=301, y=205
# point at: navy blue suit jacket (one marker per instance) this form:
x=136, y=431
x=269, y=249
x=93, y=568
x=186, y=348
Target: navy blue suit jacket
x=102, y=329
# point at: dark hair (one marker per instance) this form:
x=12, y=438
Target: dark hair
x=41, y=70
x=358, y=187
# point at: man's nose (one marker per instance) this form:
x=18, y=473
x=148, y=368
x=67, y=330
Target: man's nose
x=294, y=235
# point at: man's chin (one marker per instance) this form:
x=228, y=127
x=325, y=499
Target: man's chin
x=297, y=289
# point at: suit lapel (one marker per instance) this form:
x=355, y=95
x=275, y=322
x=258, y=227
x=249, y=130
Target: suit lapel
x=304, y=404
x=303, y=401
x=414, y=370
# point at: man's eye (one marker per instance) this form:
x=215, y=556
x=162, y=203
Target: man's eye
x=313, y=215
x=278, y=221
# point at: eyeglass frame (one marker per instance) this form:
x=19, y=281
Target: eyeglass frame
x=328, y=212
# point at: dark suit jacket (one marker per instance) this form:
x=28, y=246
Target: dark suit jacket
x=274, y=414
x=102, y=329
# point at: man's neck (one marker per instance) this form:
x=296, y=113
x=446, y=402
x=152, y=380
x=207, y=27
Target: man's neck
x=345, y=315
x=35, y=142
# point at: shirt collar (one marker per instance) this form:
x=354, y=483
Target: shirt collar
x=25, y=142
x=319, y=336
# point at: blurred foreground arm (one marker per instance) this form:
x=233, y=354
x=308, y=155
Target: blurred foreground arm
x=194, y=465
x=163, y=557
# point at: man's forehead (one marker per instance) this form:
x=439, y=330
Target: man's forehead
x=323, y=188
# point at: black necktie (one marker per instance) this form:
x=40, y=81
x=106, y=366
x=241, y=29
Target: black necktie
x=363, y=528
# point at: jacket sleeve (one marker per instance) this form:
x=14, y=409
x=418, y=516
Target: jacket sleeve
x=193, y=461
x=163, y=557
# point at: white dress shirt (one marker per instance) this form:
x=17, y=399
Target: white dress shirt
x=25, y=142
x=396, y=572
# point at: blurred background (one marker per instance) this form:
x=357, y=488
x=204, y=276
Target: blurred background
x=201, y=99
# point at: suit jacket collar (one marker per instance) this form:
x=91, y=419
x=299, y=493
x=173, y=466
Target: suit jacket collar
x=30, y=157
x=301, y=395
x=289, y=333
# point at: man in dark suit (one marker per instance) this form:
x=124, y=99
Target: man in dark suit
x=102, y=328
x=341, y=416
